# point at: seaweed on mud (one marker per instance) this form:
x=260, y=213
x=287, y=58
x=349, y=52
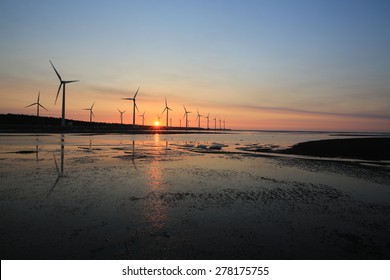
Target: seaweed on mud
x=351, y=169
x=260, y=148
x=296, y=193
x=25, y=152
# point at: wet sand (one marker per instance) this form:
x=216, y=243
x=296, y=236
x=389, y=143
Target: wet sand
x=107, y=197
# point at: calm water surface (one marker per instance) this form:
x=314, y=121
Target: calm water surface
x=171, y=197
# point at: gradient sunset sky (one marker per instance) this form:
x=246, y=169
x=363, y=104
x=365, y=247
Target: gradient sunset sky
x=264, y=64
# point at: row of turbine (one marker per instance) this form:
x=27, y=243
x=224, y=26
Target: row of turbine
x=166, y=109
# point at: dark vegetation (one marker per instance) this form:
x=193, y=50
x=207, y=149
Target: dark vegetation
x=28, y=124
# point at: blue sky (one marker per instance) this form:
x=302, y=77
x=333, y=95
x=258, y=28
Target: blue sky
x=258, y=64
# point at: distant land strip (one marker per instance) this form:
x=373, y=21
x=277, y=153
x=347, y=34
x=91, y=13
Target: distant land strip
x=14, y=123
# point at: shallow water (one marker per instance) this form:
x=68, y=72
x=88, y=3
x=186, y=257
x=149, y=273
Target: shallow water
x=186, y=196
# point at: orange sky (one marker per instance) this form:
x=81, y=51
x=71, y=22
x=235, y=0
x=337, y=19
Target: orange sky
x=299, y=65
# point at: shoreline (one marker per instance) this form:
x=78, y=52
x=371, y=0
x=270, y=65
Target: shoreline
x=367, y=148
x=370, y=148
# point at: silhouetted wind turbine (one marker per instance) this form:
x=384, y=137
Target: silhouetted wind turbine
x=186, y=115
x=38, y=104
x=208, y=119
x=215, y=123
x=90, y=112
x=198, y=118
x=166, y=109
x=134, y=104
x=62, y=84
x=224, y=125
x=121, y=112
x=220, y=124
x=143, y=118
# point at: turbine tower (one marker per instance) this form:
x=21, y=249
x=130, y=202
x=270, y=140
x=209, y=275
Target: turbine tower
x=186, y=115
x=121, y=112
x=166, y=109
x=38, y=104
x=90, y=112
x=143, y=118
x=220, y=124
x=134, y=104
x=62, y=84
x=208, y=119
x=198, y=118
x=215, y=123
x=224, y=128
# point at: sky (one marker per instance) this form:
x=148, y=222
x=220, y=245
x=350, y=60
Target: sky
x=257, y=64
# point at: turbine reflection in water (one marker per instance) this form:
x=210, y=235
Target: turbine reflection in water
x=60, y=170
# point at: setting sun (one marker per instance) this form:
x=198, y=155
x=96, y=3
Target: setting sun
x=156, y=123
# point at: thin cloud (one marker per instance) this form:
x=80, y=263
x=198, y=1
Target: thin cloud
x=309, y=112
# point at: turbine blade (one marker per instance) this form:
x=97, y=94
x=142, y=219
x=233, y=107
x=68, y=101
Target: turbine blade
x=136, y=93
x=92, y=113
x=39, y=93
x=135, y=104
x=119, y=111
x=72, y=81
x=31, y=105
x=166, y=104
x=93, y=105
x=43, y=107
x=128, y=98
x=164, y=110
x=58, y=75
x=58, y=92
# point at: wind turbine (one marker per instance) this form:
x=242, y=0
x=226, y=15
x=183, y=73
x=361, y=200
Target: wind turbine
x=134, y=104
x=219, y=123
x=198, y=118
x=143, y=118
x=38, y=104
x=224, y=128
x=166, y=109
x=158, y=120
x=121, y=112
x=208, y=119
x=186, y=115
x=215, y=123
x=90, y=112
x=62, y=84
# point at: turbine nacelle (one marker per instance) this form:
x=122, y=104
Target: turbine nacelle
x=62, y=83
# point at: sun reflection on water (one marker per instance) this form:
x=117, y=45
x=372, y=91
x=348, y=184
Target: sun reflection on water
x=155, y=210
